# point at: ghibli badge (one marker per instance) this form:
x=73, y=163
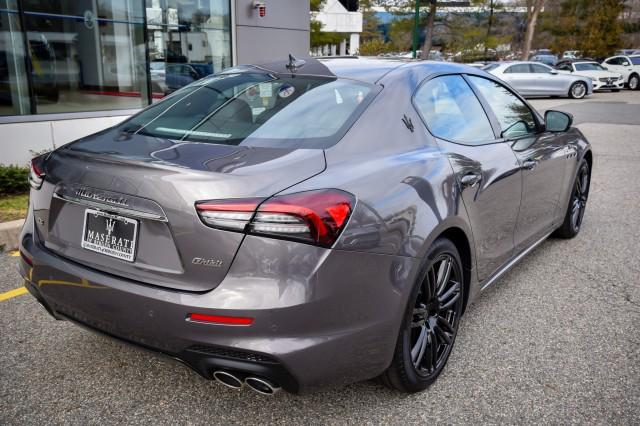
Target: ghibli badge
x=214, y=263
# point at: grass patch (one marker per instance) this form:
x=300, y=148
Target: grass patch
x=13, y=207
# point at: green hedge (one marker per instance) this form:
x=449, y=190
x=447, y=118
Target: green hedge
x=13, y=180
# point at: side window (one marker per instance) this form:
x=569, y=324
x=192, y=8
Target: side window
x=451, y=111
x=518, y=69
x=614, y=61
x=540, y=69
x=515, y=117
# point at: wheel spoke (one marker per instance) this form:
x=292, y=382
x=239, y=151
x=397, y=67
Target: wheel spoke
x=433, y=346
x=443, y=275
x=442, y=336
x=417, y=352
x=445, y=325
x=450, y=296
x=430, y=285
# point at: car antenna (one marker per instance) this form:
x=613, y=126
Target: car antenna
x=294, y=64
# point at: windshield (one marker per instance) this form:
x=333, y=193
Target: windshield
x=635, y=60
x=256, y=109
x=589, y=66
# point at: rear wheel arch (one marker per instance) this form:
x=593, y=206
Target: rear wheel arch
x=459, y=238
x=589, y=157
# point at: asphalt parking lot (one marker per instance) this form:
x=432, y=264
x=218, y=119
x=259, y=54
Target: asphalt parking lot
x=556, y=340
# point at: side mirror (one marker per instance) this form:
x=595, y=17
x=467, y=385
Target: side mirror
x=557, y=121
x=605, y=68
x=554, y=72
x=625, y=64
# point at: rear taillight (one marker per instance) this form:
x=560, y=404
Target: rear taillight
x=36, y=175
x=315, y=217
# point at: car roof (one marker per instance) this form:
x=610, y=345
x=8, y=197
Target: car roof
x=365, y=69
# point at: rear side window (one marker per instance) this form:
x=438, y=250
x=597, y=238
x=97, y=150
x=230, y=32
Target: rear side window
x=514, y=116
x=540, y=69
x=452, y=112
x=256, y=109
x=518, y=69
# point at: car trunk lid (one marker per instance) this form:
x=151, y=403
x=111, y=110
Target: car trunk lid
x=153, y=186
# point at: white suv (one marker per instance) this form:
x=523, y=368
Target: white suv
x=628, y=66
x=601, y=78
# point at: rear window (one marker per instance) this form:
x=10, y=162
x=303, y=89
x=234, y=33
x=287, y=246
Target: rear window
x=256, y=109
x=518, y=69
x=589, y=66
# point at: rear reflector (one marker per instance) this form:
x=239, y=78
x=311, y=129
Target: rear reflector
x=26, y=258
x=220, y=319
x=315, y=217
x=36, y=175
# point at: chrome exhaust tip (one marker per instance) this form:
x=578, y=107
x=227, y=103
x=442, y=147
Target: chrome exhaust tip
x=227, y=379
x=262, y=386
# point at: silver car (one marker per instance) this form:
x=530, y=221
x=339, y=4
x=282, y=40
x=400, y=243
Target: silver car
x=535, y=79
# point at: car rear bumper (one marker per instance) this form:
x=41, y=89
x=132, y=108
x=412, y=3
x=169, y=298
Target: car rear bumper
x=325, y=317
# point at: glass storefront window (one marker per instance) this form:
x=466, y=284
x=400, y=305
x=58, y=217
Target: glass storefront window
x=188, y=39
x=14, y=89
x=66, y=56
x=86, y=55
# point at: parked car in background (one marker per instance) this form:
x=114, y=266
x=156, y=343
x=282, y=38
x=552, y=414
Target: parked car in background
x=168, y=77
x=628, y=66
x=571, y=54
x=624, y=52
x=544, y=56
x=601, y=78
x=535, y=79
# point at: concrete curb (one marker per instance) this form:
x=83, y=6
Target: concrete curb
x=10, y=234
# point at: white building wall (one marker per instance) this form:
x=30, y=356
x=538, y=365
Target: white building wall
x=19, y=140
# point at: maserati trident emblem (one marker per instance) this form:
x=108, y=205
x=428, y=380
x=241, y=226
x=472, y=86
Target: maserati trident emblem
x=110, y=224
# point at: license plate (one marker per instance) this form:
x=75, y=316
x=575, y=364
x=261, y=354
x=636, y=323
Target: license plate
x=110, y=234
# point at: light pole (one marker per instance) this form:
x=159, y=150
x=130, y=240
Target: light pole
x=416, y=28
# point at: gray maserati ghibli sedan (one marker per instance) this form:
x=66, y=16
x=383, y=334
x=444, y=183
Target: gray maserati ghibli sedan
x=303, y=223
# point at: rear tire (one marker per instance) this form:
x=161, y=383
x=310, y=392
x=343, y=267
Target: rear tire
x=578, y=90
x=430, y=323
x=577, y=203
x=634, y=82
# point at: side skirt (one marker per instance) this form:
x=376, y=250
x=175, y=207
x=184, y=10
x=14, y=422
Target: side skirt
x=513, y=261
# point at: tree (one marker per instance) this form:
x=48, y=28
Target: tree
x=592, y=27
x=370, y=22
x=401, y=34
x=533, y=10
x=428, y=40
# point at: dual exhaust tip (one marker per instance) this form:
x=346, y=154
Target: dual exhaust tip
x=260, y=385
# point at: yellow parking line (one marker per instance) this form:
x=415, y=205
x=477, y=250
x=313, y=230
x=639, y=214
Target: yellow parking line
x=12, y=293
x=14, y=253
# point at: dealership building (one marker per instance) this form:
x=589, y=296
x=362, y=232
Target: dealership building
x=69, y=68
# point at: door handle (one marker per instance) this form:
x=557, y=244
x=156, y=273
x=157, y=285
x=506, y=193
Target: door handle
x=470, y=180
x=529, y=164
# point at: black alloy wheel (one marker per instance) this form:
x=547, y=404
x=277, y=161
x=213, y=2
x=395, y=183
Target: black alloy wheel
x=579, y=197
x=431, y=324
x=577, y=203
